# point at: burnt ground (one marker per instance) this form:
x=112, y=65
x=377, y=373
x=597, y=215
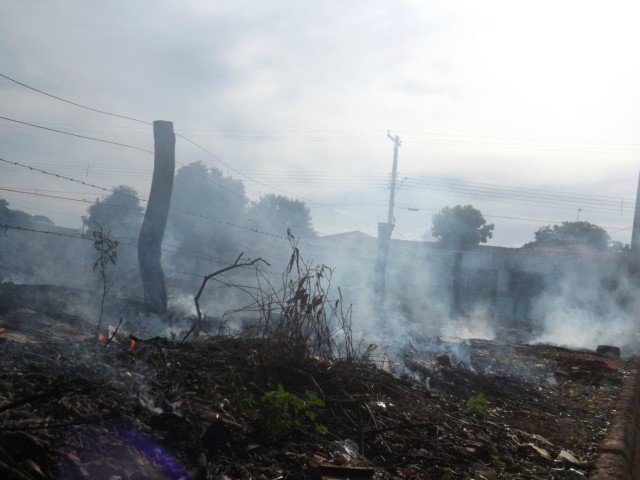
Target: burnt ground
x=231, y=407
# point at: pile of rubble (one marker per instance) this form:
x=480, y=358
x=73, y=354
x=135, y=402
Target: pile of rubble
x=127, y=407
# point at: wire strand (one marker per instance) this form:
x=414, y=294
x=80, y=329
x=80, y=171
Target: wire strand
x=73, y=103
x=77, y=135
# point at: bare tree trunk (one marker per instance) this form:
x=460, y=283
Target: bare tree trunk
x=155, y=219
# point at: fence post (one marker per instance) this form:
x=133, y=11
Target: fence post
x=155, y=219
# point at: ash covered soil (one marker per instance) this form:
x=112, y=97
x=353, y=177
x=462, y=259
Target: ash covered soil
x=219, y=407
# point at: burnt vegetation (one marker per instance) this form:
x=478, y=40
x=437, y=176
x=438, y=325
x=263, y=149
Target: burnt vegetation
x=289, y=395
x=258, y=369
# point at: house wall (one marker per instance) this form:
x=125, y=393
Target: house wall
x=503, y=284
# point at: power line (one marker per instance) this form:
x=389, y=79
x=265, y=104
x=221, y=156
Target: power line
x=416, y=181
x=73, y=103
x=46, y=232
x=468, y=188
x=18, y=164
x=57, y=197
x=138, y=148
x=205, y=217
x=256, y=181
x=375, y=135
x=427, y=179
x=117, y=192
x=77, y=135
x=210, y=218
x=521, y=196
x=121, y=241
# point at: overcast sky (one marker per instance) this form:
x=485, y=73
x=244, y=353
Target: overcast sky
x=529, y=111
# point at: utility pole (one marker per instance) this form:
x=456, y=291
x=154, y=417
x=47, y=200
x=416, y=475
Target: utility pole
x=634, y=254
x=385, y=229
x=394, y=175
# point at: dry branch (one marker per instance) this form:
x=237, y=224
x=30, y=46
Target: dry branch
x=236, y=264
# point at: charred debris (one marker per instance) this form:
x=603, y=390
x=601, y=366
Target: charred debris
x=291, y=395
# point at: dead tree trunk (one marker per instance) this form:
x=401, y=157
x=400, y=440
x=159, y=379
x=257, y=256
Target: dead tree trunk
x=155, y=219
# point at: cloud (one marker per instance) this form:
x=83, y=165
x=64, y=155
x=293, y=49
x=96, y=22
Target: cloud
x=537, y=95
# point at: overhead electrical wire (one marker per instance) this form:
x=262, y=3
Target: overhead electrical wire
x=433, y=138
x=491, y=186
x=64, y=177
x=400, y=205
x=110, y=191
x=186, y=212
x=261, y=183
x=76, y=135
x=415, y=182
x=515, y=199
x=148, y=123
x=123, y=242
x=475, y=190
x=294, y=134
x=73, y=103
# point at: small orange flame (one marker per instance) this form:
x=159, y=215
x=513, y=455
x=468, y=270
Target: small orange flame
x=132, y=343
x=101, y=337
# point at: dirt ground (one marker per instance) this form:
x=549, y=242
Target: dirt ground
x=213, y=407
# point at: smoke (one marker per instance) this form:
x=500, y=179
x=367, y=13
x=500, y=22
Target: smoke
x=430, y=291
x=588, y=304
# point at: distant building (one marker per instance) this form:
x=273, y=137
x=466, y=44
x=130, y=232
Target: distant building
x=506, y=285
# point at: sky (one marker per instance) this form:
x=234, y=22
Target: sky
x=529, y=111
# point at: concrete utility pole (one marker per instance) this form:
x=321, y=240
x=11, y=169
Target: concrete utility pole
x=155, y=218
x=634, y=255
x=394, y=176
x=386, y=229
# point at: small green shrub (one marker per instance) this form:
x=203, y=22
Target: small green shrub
x=241, y=400
x=498, y=461
x=477, y=403
x=281, y=412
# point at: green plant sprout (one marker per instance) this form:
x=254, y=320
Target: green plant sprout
x=283, y=411
x=477, y=403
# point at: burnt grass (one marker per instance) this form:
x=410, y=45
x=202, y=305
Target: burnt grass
x=219, y=407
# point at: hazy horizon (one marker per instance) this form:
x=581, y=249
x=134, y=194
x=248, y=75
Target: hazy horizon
x=526, y=112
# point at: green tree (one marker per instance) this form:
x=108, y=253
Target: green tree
x=119, y=213
x=207, y=191
x=460, y=226
x=119, y=216
x=276, y=214
x=621, y=249
x=572, y=233
x=205, y=206
x=18, y=218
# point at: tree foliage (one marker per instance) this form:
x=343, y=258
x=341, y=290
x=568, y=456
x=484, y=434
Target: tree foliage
x=29, y=257
x=18, y=218
x=207, y=191
x=119, y=213
x=572, y=233
x=461, y=226
x=276, y=214
x=205, y=206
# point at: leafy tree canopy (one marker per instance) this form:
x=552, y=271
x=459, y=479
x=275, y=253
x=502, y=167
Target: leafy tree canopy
x=460, y=226
x=205, y=206
x=572, y=233
x=277, y=213
x=120, y=212
x=207, y=191
x=18, y=218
